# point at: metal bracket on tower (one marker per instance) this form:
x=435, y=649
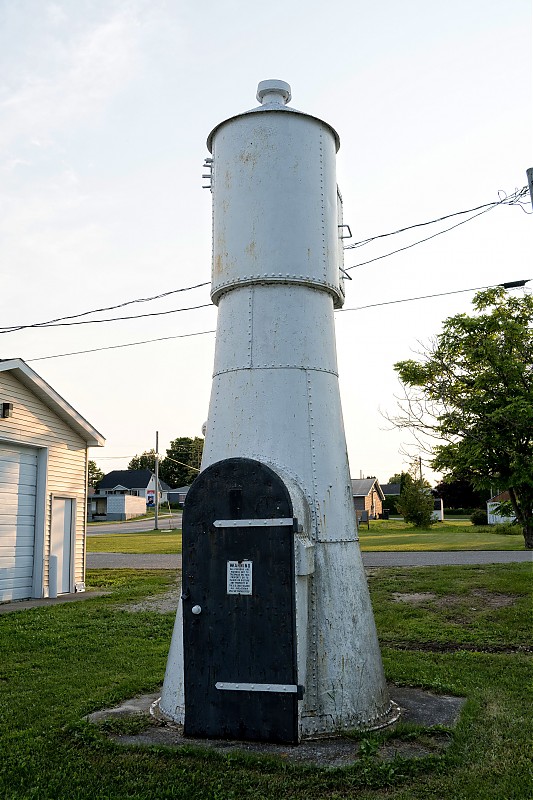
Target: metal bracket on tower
x=208, y=164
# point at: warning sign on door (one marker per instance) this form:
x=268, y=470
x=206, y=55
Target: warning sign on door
x=239, y=577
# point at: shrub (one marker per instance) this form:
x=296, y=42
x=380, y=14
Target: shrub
x=507, y=529
x=479, y=517
x=416, y=503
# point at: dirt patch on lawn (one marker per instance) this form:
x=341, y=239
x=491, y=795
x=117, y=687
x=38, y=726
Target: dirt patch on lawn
x=478, y=598
x=413, y=597
x=495, y=599
x=166, y=603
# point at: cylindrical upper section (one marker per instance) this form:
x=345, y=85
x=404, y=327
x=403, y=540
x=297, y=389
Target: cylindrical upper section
x=275, y=201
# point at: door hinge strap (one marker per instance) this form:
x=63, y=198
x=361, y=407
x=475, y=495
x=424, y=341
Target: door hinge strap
x=279, y=688
x=253, y=523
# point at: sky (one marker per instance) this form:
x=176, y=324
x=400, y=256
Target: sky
x=105, y=107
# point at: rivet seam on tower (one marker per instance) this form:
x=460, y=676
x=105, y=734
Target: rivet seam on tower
x=240, y=368
x=250, y=326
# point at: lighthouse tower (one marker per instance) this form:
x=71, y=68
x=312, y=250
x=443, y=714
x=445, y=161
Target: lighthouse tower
x=274, y=636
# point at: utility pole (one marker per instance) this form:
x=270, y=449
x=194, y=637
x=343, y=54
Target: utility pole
x=156, y=496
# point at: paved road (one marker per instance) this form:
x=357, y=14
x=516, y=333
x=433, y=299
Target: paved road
x=132, y=561
x=378, y=559
x=136, y=526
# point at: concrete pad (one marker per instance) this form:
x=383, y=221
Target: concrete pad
x=129, y=708
x=418, y=706
x=426, y=708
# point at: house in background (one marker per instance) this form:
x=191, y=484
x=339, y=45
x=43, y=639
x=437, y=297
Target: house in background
x=493, y=517
x=43, y=487
x=367, y=497
x=114, y=507
x=96, y=507
x=125, y=493
x=134, y=482
x=391, y=489
x=437, y=515
x=391, y=492
x=178, y=495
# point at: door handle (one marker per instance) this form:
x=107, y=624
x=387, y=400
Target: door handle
x=196, y=609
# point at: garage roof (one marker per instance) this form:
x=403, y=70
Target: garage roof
x=29, y=378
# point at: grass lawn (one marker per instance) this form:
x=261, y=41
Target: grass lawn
x=452, y=535
x=462, y=635
x=383, y=535
x=149, y=542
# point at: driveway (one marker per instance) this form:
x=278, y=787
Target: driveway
x=378, y=559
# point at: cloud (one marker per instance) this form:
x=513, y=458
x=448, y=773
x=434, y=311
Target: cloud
x=67, y=74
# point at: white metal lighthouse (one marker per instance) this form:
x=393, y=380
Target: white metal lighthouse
x=275, y=470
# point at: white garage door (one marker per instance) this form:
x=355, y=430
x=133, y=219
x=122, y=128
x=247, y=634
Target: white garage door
x=18, y=480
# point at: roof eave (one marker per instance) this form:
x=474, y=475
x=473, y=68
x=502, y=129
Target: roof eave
x=41, y=389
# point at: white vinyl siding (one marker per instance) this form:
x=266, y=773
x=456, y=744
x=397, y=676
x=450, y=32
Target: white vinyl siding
x=34, y=424
x=18, y=482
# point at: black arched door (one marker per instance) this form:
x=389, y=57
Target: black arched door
x=238, y=605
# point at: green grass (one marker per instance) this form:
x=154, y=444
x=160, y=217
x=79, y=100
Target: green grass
x=149, y=542
x=383, y=535
x=477, y=606
x=61, y=662
x=450, y=535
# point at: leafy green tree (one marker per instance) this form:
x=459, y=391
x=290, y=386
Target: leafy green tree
x=473, y=392
x=460, y=494
x=145, y=461
x=416, y=501
x=396, y=478
x=182, y=462
x=95, y=474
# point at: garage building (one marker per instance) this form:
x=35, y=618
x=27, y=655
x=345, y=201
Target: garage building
x=43, y=487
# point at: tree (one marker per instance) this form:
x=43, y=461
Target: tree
x=396, y=478
x=473, y=393
x=460, y=494
x=145, y=461
x=182, y=462
x=416, y=501
x=95, y=474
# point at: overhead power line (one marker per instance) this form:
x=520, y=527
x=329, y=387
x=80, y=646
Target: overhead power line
x=512, y=200
x=117, y=346
x=50, y=322
x=509, y=285
x=116, y=319
x=519, y=193
x=195, y=469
